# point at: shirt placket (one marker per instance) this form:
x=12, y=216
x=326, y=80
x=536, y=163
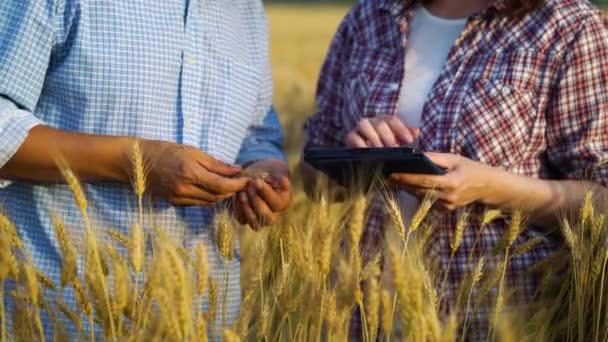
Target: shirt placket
x=435, y=109
x=191, y=78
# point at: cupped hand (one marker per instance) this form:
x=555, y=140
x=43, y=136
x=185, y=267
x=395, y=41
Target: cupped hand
x=381, y=131
x=186, y=176
x=464, y=182
x=267, y=195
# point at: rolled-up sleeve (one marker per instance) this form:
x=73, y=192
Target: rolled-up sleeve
x=577, y=118
x=26, y=41
x=264, y=141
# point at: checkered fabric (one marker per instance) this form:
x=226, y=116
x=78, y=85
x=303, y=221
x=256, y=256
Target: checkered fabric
x=525, y=94
x=188, y=71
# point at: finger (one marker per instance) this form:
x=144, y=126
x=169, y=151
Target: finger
x=238, y=210
x=386, y=134
x=443, y=160
x=219, y=167
x=415, y=132
x=367, y=131
x=263, y=212
x=402, y=133
x=276, y=200
x=197, y=193
x=190, y=202
x=354, y=140
x=420, y=181
x=221, y=185
x=248, y=212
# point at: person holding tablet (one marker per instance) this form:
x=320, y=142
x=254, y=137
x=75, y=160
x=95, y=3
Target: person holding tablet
x=509, y=97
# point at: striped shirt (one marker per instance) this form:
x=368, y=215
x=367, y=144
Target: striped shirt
x=187, y=71
x=525, y=94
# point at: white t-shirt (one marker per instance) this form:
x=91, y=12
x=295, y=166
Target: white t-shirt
x=428, y=45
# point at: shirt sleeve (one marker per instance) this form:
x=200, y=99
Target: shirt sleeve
x=26, y=41
x=322, y=128
x=577, y=117
x=264, y=139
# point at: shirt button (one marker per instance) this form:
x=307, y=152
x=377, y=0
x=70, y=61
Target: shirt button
x=506, y=90
x=191, y=61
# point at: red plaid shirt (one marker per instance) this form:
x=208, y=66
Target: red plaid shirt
x=525, y=94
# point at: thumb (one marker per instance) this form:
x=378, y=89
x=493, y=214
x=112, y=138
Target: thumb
x=219, y=167
x=443, y=160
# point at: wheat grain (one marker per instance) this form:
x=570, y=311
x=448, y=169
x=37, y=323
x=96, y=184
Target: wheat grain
x=82, y=298
x=479, y=269
x=597, y=228
x=9, y=228
x=230, y=336
x=119, y=237
x=120, y=271
x=201, y=329
x=527, y=246
x=331, y=316
x=598, y=263
x=224, y=236
x=514, y=228
x=451, y=329
x=459, y=231
x=357, y=223
x=5, y=258
x=587, y=211
x=569, y=236
x=45, y=281
x=490, y=216
x=74, y=185
x=69, y=263
x=420, y=214
x=139, y=176
x=202, y=269
x=213, y=301
x=395, y=214
x=372, y=307
x=28, y=275
x=69, y=313
x=136, y=247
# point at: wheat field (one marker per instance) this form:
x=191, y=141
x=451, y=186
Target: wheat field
x=300, y=37
x=303, y=278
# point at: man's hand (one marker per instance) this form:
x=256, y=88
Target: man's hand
x=381, y=131
x=465, y=182
x=267, y=195
x=185, y=176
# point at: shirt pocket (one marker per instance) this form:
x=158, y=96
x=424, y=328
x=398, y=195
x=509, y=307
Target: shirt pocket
x=496, y=123
x=367, y=80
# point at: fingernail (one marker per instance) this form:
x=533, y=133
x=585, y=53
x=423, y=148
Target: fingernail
x=251, y=191
x=243, y=197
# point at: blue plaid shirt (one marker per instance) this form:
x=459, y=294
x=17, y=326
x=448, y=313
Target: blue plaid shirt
x=188, y=71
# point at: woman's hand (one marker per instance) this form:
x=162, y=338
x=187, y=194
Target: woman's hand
x=465, y=182
x=266, y=196
x=381, y=131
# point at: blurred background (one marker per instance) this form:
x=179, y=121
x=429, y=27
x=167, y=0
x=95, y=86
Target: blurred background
x=300, y=35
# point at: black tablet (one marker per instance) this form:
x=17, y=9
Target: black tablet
x=348, y=165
